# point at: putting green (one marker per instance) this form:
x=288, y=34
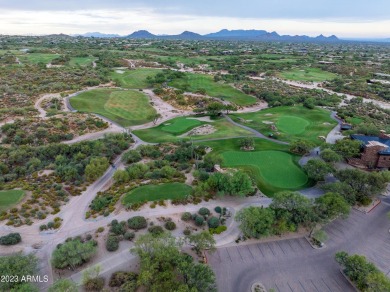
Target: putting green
x=10, y=198
x=181, y=125
x=134, y=78
x=125, y=107
x=292, y=125
x=289, y=123
x=172, y=130
x=150, y=193
x=276, y=169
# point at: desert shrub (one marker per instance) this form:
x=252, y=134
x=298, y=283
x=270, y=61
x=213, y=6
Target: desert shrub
x=199, y=220
x=204, y=211
x=100, y=230
x=218, y=230
x=137, y=222
x=94, y=284
x=156, y=230
x=43, y=227
x=218, y=209
x=187, y=232
x=213, y=222
x=118, y=228
x=186, y=216
x=10, y=239
x=117, y=279
x=129, y=235
x=131, y=156
x=170, y=225
x=112, y=243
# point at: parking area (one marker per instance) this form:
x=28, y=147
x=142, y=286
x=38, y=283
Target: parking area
x=293, y=265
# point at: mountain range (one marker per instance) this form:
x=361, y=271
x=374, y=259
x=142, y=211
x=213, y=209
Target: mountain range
x=224, y=34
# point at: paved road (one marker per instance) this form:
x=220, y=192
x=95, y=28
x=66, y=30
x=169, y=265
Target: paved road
x=293, y=265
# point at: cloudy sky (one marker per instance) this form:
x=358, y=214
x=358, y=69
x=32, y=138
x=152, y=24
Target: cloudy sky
x=345, y=18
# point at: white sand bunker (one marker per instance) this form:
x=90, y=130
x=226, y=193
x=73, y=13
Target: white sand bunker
x=268, y=122
x=268, y=114
x=200, y=131
x=119, y=71
x=326, y=123
x=203, y=119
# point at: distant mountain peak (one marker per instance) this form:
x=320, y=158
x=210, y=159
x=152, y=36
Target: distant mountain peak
x=141, y=34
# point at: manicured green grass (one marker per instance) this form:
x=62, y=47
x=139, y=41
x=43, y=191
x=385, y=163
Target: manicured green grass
x=273, y=168
x=307, y=74
x=180, y=125
x=134, y=78
x=148, y=193
x=82, y=61
x=172, y=130
x=36, y=58
x=125, y=107
x=194, y=82
x=10, y=198
x=292, y=122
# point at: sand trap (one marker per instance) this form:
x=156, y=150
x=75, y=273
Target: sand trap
x=201, y=130
x=268, y=122
x=203, y=119
x=119, y=71
x=268, y=114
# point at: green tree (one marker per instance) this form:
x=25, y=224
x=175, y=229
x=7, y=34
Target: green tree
x=301, y=147
x=256, y=221
x=18, y=265
x=121, y=176
x=247, y=143
x=202, y=241
x=330, y=206
x=63, y=285
x=317, y=169
x=96, y=168
x=328, y=155
x=347, y=148
x=214, y=108
x=365, y=185
x=131, y=156
x=72, y=254
x=164, y=268
x=294, y=206
x=363, y=273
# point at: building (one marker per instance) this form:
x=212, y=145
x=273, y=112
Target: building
x=376, y=151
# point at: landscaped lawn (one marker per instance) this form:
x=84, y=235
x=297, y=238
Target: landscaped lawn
x=148, y=193
x=307, y=74
x=272, y=170
x=173, y=130
x=125, y=107
x=180, y=125
x=10, y=198
x=82, y=61
x=135, y=79
x=194, y=82
x=271, y=165
x=291, y=122
x=36, y=58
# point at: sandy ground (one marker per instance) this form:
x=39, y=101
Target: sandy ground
x=166, y=111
